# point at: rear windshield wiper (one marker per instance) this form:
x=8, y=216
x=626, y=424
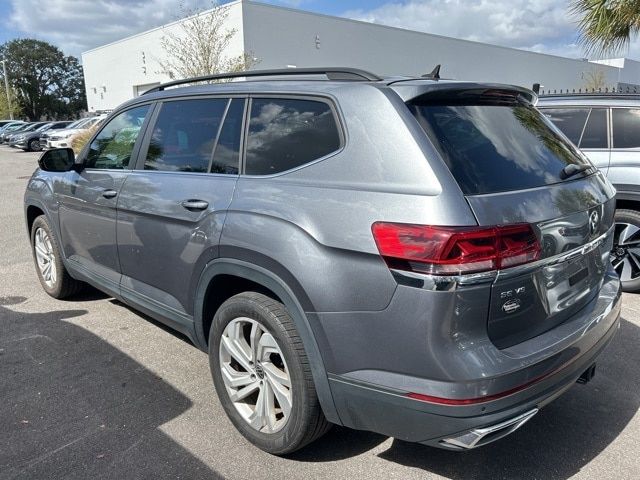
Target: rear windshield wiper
x=573, y=169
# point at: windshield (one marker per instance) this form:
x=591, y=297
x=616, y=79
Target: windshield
x=497, y=147
x=44, y=127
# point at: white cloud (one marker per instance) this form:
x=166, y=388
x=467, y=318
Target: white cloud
x=543, y=26
x=79, y=25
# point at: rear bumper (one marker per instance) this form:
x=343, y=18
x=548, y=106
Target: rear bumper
x=384, y=408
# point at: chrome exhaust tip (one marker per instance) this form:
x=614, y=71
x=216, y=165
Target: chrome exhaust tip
x=483, y=436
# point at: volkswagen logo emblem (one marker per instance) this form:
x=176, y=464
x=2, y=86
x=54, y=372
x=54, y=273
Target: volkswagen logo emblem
x=594, y=222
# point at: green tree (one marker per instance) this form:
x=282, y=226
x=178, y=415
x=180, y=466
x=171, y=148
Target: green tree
x=606, y=26
x=45, y=81
x=198, y=48
x=4, y=105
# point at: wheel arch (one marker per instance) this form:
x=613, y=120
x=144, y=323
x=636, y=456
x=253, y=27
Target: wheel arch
x=32, y=212
x=627, y=197
x=270, y=283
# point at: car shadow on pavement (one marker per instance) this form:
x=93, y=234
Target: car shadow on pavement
x=561, y=438
x=73, y=406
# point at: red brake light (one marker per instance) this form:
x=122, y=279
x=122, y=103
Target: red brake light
x=455, y=250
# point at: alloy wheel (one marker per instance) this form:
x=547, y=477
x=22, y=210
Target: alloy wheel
x=625, y=255
x=255, y=375
x=45, y=257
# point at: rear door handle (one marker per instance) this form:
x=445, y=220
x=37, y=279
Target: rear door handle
x=109, y=193
x=195, y=204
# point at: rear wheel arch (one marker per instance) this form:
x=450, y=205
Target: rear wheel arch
x=240, y=274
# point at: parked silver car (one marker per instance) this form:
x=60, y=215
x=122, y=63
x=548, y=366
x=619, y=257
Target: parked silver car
x=422, y=258
x=606, y=127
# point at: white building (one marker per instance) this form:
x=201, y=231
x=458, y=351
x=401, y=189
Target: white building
x=282, y=37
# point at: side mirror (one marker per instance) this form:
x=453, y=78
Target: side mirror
x=57, y=160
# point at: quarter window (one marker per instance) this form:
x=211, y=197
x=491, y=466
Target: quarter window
x=626, y=127
x=569, y=120
x=184, y=135
x=113, y=146
x=286, y=133
x=595, y=132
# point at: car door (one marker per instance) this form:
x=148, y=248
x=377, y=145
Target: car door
x=172, y=207
x=88, y=198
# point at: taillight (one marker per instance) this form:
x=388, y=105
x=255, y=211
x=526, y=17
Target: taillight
x=455, y=250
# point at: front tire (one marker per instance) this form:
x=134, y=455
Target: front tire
x=262, y=374
x=33, y=145
x=53, y=276
x=625, y=255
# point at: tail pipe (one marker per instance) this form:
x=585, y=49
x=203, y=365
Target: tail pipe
x=482, y=436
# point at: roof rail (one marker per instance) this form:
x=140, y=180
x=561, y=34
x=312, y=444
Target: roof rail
x=332, y=73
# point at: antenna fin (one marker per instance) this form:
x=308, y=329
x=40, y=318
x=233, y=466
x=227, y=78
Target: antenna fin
x=434, y=75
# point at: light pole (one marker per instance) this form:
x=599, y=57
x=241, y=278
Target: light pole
x=6, y=88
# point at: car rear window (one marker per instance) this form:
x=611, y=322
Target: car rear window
x=495, y=147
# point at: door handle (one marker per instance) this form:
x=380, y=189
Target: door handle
x=109, y=193
x=195, y=204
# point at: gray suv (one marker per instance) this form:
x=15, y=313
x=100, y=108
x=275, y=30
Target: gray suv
x=606, y=127
x=422, y=258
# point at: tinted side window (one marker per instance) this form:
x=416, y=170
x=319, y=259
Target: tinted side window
x=626, y=127
x=287, y=133
x=595, y=132
x=227, y=153
x=113, y=146
x=569, y=120
x=184, y=135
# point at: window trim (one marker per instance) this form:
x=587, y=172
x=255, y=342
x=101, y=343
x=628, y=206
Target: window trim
x=291, y=96
x=82, y=156
x=144, y=149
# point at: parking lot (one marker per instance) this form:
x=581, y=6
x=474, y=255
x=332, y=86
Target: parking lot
x=92, y=389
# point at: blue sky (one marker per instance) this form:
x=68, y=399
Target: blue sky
x=6, y=32
x=78, y=25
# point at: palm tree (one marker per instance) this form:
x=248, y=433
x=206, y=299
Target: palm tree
x=606, y=26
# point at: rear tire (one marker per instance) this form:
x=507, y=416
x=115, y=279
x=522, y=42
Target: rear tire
x=53, y=276
x=625, y=255
x=256, y=331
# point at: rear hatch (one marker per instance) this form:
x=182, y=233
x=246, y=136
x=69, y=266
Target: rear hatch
x=515, y=168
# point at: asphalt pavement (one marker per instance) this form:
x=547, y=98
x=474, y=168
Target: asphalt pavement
x=90, y=389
